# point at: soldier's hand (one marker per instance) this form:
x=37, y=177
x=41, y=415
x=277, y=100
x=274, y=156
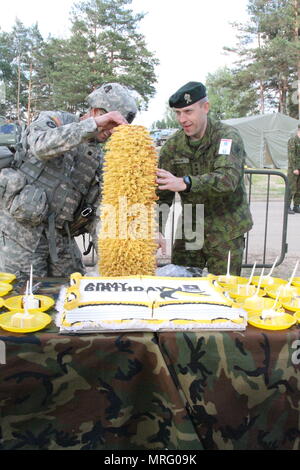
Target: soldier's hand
x=296, y=172
x=166, y=180
x=86, y=116
x=106, y=123
x=161, y=242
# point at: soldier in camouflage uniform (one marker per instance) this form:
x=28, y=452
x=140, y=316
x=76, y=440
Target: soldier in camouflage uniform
x=204, y=163
x=294, y=172
x=53, y=180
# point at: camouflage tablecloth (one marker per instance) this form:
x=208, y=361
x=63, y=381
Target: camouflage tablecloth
x=90, y=392
x=135, y=391
x=242, y=388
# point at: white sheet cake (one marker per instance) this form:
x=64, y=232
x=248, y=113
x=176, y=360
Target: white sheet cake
x=141, y=303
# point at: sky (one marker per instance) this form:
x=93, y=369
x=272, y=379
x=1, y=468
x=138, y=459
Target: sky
x=187, y=36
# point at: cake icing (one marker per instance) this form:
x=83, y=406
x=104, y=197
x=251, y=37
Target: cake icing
x=145, y=302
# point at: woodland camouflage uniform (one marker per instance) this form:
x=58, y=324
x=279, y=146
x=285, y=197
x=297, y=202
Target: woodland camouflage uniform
x=217, y=183
x=294, y=164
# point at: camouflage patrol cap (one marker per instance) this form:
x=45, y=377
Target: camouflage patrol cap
x=114, y=97
x=188, y=94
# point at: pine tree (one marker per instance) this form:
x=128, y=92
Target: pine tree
x=17, y=67
x=230, y=94
x=268, y=52
x=104, y=46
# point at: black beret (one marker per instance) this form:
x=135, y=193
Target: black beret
x=188, y=94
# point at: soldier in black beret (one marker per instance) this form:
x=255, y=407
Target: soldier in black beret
x=204, y=163
x=188, y=94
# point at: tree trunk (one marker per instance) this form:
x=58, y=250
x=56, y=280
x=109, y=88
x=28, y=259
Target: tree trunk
x=262, y=100
x=19, y=88
x=29, y=96
x=261, y=86
x=284, y=95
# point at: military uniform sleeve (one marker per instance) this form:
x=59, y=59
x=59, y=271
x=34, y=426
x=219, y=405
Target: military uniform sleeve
x=228, y=170
x=165, y=198
x=294, y=153
x=47, y=140
x=297, y=157
x=291, y=153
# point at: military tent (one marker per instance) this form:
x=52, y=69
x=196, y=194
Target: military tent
x=265, y=138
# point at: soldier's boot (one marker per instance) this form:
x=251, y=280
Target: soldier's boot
x=297, y=209
x=290, y=210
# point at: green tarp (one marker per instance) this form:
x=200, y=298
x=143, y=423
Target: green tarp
x=265, y=138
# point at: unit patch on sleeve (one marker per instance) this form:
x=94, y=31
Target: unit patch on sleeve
x=225, y=146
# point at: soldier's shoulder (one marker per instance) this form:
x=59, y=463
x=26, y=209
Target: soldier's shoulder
x=178, y=138
x=226, y=131
x=45, y=120
x=292, y=142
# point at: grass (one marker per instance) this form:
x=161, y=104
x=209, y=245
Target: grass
x=259, y=185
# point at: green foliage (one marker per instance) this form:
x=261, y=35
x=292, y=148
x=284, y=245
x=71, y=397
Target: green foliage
x=268, y=53
x=17, y=56
x=169, y=120
x=104, y=45
x=230, y=95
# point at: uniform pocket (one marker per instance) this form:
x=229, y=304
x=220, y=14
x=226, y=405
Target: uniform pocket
x=11, y=183
x=30, y=206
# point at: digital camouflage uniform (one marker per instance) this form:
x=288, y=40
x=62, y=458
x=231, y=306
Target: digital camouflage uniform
x=294, y=164
x=217, y=183
x=57, y=177
x=39, y=198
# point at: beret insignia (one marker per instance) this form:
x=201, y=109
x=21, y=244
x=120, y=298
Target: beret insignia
x=187, y=98
x=188, y=94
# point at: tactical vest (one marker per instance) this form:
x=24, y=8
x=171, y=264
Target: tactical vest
x=65, y=179
x=66, y=182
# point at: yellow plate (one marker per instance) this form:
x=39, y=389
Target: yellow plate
x=297, y=316
x=293, y=305
x=277, y=323
x=267, y=304
x=252, y=313
x=240, y=290
x=296, y=281
x=285, y=293
x=5, y=288
x=7, y=277
x=250, y=304
x=15, y=303
x=268, y=281
x=1, y=303
x=41, y=320
x=228, y=282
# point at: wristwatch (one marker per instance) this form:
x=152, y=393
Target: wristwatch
x=187, y=180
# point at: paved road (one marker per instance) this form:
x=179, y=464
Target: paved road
x=274, y=227
x=273, y=241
